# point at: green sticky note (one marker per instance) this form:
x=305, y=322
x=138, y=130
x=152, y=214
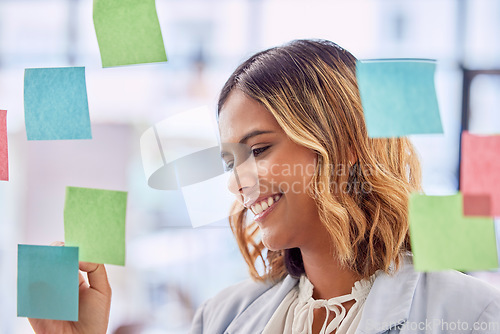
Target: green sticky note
x=47, y=282
x=128, y=32
x=442, y=238
x=398, y=97
x=94, y=220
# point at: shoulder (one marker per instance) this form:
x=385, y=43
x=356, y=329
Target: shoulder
x=456, y=284
x=451, y=300
x=444, y=287
x=418, y=300
x=219, y=312
x=454, y=294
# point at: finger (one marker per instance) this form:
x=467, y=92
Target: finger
x=81, y=281
x=98, y=279
x=34, y=323
x=57, y=243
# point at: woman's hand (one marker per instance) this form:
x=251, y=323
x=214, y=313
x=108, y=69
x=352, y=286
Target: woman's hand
x=93, y=307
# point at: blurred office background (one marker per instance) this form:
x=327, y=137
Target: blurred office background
x=171, y=267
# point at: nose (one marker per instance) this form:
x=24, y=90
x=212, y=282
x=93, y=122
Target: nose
x=244, y=182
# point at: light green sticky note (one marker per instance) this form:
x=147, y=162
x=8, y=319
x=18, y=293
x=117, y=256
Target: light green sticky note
x=398, y=97
x=128, y=32
x=442, y=238
x=94, y=220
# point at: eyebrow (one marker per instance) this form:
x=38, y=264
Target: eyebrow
x=253, y=134
x=248, y=136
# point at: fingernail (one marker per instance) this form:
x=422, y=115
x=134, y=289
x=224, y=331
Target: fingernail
x=57, y=243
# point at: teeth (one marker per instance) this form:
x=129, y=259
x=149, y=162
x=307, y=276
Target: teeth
x=264, y=205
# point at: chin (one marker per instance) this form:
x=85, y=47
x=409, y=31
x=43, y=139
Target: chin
x=273, y=244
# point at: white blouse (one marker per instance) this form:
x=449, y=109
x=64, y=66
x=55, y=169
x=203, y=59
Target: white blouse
x=296, y=312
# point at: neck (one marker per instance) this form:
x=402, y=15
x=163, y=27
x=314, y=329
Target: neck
x=329, y=278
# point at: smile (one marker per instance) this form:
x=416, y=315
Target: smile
x=263, y=206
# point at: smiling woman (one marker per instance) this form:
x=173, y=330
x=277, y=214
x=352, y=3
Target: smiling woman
x=333, y=239
x=306, y=94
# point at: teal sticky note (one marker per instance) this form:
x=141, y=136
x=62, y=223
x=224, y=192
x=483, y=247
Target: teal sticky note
x=55, y=104
x=128, y=32
x=443, y=238
x=47, y=282
x=398, y=97
x=94, y=220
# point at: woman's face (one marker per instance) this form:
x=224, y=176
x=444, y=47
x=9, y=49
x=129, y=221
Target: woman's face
x=276, y=190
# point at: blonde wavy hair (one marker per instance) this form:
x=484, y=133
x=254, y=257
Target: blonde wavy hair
x=310, y=87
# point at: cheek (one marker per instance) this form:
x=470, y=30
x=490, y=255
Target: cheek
x=263, y=168
x=291, y=171
x=298, y=174
x=270, y=169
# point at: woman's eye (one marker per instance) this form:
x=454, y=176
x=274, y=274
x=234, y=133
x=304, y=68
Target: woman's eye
x=258, y=151
x=229, y=165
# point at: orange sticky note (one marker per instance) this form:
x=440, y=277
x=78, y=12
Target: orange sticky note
x=480, y=174
x=4, y=157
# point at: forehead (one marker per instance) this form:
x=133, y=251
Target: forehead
x=240, y=115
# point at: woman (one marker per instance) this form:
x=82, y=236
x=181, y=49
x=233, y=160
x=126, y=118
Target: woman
x=330, y=225
x=333, y=239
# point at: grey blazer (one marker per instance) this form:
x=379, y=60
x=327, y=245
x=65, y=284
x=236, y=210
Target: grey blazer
x=405, y=302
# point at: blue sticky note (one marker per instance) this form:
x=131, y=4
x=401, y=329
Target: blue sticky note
x=47, y=282
x=55, y=103
x=398, y=97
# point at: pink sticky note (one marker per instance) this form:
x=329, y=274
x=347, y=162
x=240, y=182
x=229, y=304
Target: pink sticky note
x=480, y=174
x=4, y=158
